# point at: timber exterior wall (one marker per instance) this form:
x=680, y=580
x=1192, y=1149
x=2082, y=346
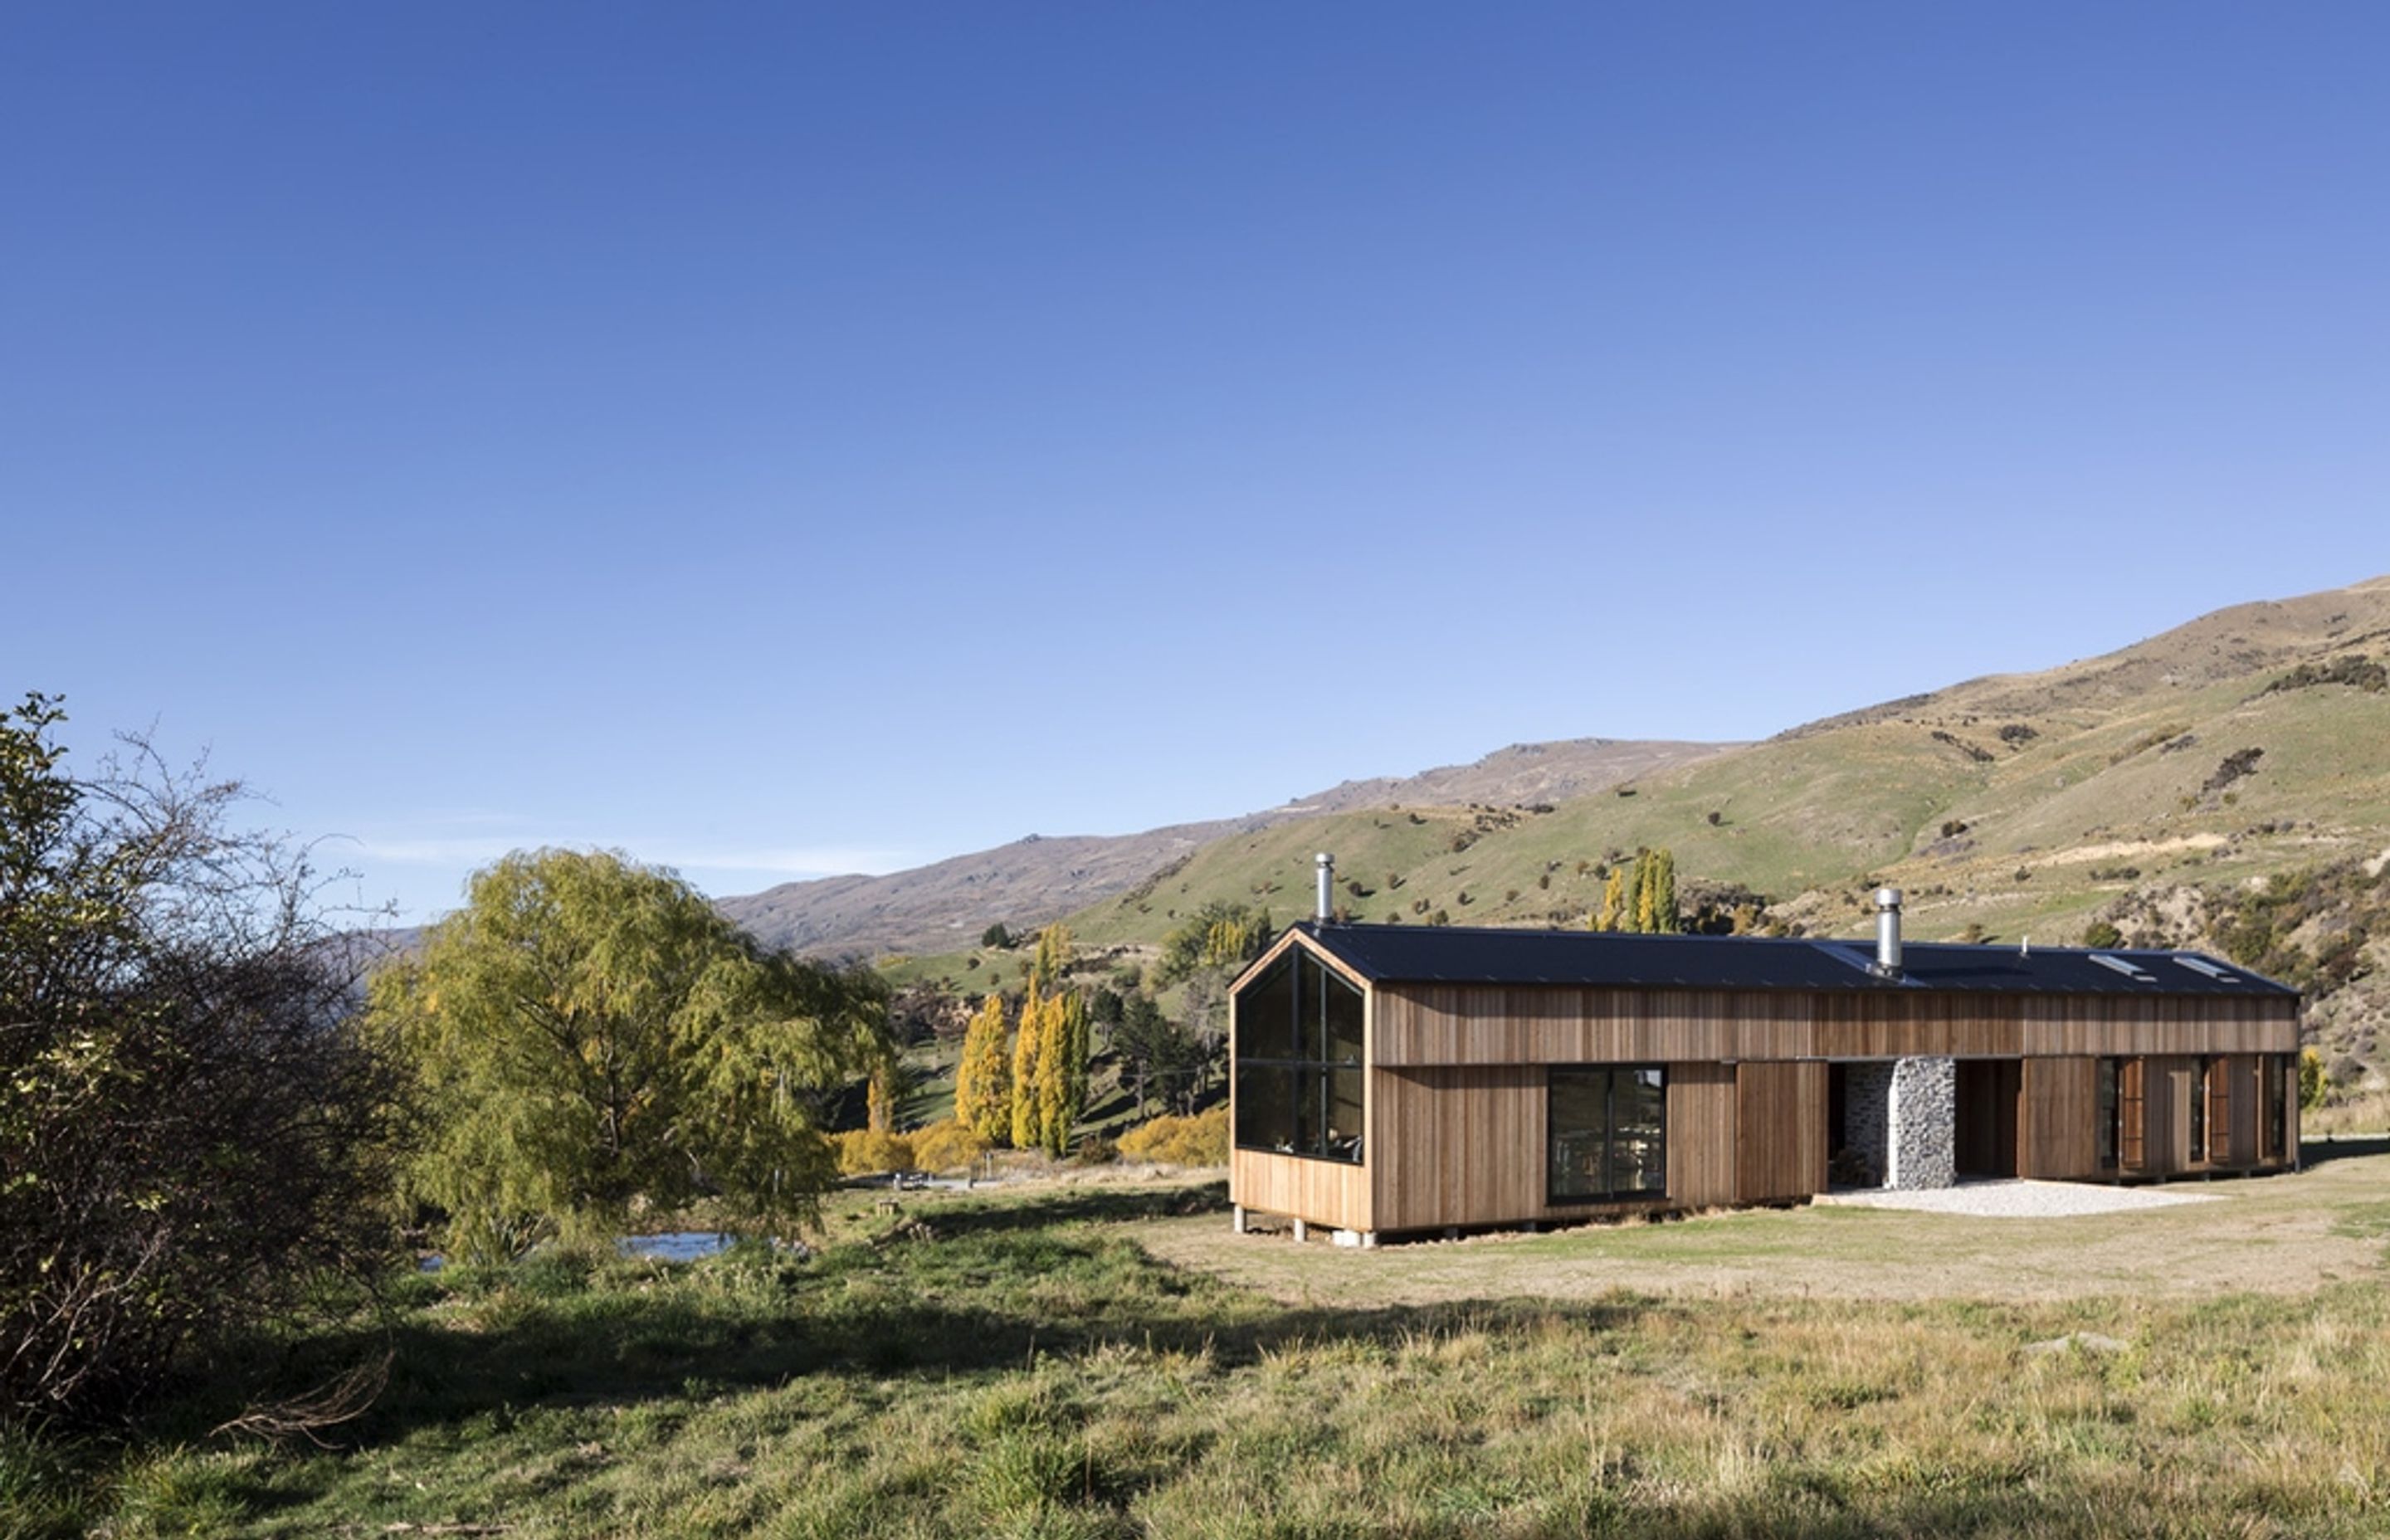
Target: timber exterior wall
x=2166, y=1099
x=1456, y=1090
x=1324, y=1192
x=1457, y=1146
x=1701, y=1135
x=1467, y=1146
x=1423, y=1024
x=2243, y=1070
x=1780, y=1131
x=2060, y=1134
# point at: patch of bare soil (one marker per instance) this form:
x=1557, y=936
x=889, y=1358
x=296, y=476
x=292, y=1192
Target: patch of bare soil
x=2283, y=1235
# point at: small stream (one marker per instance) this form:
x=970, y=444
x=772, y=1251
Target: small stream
x=670, y=1246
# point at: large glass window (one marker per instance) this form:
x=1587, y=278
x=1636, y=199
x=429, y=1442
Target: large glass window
x=2272, y=1116
x=1299, y=1061
x=1266, y=1014
x=2111, y=1114
x=2200, y=1093
x=1606, y=1129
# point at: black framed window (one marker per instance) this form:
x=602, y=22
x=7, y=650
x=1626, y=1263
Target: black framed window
x=2199, y=1095
x=1299, y=1061
x=1606, y=1131
x=2111, y=1115
x=2273, y=1117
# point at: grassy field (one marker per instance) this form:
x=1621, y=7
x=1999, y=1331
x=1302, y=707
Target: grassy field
x=1092, y=1359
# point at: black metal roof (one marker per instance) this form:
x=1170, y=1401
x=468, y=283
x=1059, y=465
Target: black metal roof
x=1459, y=954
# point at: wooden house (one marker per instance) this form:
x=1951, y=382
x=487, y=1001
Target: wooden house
x=1390, y=1078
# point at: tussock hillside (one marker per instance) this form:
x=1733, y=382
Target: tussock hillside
x=938, y=908
x=2163, y=778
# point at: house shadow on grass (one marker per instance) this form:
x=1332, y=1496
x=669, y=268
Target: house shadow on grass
x=2315, y=1152
x=1053, y=1207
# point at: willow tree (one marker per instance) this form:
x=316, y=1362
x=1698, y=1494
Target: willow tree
x=590, y=1033
x=1222, y=937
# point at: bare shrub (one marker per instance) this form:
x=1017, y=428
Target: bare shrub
x=192, y=1129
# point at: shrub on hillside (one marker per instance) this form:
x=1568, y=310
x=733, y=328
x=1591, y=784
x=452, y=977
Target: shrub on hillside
x=947, y=1145
x=2363, y=673
x=1201, y=1140
x=866, y=1151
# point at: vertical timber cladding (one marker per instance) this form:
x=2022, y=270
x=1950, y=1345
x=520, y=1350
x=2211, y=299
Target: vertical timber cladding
x=2166, y=1085
x=2133, y=1114
x=2060, y=1137
x=1702, y=1135
x=1457, y=1102
x=1462, y=1146
x=1423, y=1024
x=1779, y=1126
x=2160, y=1024
x=2242, y=1071
x=1320, y=1192
x=1467, y=1144
x=1447, y=1024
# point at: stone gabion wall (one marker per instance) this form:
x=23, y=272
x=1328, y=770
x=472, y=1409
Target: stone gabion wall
x=1924, y=1123
x=1867, y=1116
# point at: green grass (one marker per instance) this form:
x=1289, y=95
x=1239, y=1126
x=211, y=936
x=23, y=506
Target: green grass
x=1031, y=1370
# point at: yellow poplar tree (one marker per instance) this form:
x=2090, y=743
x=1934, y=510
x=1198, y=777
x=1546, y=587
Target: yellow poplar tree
x=1614, y=901
x=1028, y=1125
x=1062, y=1070
x=1053, y=957
x=1665, y=919
x=984, y=1079
x=879, y=1101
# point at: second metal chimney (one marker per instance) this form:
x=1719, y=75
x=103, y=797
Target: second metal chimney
x=1326, y=889
x=1887, y=932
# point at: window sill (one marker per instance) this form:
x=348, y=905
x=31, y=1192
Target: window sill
x=1346, y=1161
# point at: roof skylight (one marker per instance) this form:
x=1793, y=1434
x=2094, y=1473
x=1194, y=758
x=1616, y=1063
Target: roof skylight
x=2129, y=970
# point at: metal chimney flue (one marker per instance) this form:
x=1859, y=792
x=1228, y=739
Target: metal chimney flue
x=1327, y=911
x=1887, y=932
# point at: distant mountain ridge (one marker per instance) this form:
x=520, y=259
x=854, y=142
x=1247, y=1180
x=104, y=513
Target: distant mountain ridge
x=2223, y=784
x=2158, y=790
x=946, y=904
x=2046, y=764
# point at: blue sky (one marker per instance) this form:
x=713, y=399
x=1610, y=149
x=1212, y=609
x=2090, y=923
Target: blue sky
x=777, y=439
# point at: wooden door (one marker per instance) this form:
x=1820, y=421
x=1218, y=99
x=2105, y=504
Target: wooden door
x=1780, y=1131
x=2217, y=1072
x=2132, y=1139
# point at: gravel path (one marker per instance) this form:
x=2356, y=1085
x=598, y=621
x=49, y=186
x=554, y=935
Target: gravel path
x=2023, y=1200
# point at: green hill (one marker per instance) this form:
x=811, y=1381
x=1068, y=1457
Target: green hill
x=2249, y=742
